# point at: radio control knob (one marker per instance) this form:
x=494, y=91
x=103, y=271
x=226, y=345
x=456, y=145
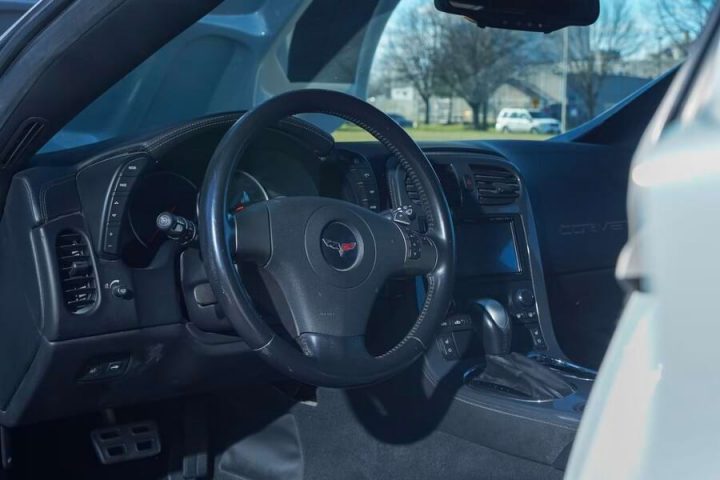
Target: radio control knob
x=525, y=297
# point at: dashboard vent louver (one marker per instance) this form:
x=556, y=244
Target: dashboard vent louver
x=495, y=185
x=77, y=272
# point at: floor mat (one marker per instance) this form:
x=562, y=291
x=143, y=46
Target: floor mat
x=63, y=449
x=335, y=445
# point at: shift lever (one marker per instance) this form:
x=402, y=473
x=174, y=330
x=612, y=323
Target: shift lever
x=496, y=326
x=510, y=371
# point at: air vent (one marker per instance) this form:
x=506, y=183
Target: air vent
x=495, y=185
x=77, y=272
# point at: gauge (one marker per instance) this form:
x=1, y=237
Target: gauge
x=360, y=185
x=156, y=193
x=245, y=191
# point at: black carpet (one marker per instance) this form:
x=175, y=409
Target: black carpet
x=335, y=445
x=265, y=434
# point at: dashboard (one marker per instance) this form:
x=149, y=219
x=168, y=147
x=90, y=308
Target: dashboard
x=113, y=312
x=144, y=189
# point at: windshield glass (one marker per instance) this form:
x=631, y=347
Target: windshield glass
x=438, y=76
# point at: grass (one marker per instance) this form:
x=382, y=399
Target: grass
x=352, y=133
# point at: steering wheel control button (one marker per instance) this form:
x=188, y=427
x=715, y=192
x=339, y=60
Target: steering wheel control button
x=414, y=251
x=340, y=246
x=403, y=216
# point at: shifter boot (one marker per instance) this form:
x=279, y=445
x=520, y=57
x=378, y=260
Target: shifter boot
x=522, y=375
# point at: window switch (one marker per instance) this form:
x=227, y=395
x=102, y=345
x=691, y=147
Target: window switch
x=116, y=368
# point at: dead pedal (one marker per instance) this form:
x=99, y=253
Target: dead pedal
x=122, y=443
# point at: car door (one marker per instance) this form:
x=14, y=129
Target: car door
x=525, y=122
x=653, y=411
x=514, y=122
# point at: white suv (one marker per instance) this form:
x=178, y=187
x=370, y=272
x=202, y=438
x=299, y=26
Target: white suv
x=526, y=121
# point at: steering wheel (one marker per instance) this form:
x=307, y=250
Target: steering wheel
x=324, y=260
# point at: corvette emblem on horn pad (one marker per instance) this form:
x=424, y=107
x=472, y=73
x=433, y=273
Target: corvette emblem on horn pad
x=340, y=247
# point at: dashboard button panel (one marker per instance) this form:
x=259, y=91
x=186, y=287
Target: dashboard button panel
x=125, y=180
x=124, y=185
x=117, y=208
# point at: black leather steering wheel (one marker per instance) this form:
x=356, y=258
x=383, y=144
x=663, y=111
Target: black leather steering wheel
x=324, y=260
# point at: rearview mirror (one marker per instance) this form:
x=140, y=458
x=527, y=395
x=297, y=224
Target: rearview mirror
x=531, y=15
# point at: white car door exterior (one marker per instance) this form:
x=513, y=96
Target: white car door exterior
x=653, y=413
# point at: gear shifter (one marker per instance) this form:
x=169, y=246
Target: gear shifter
x=507, y=371
x=495, y=325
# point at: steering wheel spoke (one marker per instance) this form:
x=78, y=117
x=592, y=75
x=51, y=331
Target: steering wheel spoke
x=252, y=234
x=421, y=254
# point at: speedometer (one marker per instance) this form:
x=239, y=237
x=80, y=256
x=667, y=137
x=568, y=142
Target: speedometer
x=245, y=190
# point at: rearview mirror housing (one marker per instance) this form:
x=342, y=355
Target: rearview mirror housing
x=529, y=15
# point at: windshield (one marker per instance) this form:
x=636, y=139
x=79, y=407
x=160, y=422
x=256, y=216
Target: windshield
x=438, y=76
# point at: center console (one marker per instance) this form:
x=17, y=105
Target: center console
x=493, y=260
x=496, y=248
x=499, y=264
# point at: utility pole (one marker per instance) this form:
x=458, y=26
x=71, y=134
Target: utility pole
x=566, y=60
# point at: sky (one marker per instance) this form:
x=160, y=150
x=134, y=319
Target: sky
x=644, y=15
